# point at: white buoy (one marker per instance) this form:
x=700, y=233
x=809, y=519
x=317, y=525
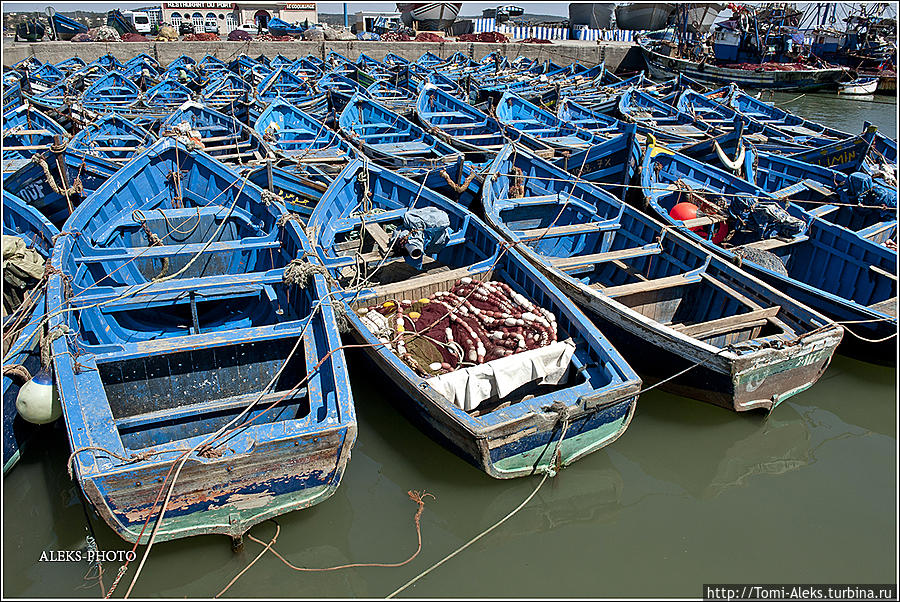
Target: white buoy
x=38, y=402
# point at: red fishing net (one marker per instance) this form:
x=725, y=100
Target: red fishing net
x=493, y=37
x=536, y=41
x=134, y=37
x=472, y=323
x=393, y=36
x=201, y=37
x=424, y=36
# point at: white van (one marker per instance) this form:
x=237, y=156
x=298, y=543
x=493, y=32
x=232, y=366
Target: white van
x=140, y=20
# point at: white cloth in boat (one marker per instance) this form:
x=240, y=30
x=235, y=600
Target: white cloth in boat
x=469, y=387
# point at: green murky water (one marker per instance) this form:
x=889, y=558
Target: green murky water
x=691, y=494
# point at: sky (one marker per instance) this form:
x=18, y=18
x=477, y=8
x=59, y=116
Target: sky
x=469, y=8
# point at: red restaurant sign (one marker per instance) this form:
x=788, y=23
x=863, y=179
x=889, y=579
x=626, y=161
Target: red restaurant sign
x=199, y=5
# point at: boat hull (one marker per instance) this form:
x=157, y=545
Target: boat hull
x=663, y=67
x=643, y=17
x=760, y=380
x=513, y=449
x=224, y=496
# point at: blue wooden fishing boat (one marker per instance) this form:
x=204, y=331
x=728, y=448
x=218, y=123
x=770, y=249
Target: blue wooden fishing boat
x=30, y=31
x=227, y=92
x=70, y=65
x=430, y=60
x=340, y=90
x=184, y=62
x=143, y=58
x=119, y=22
x=108, y=62
x=112, y=138
x=391, y=139
x=219, y=135
x=610, y=163
x=27, y=131
x=28, y=64
x=65, y=28
x=22, y=324
x=284, y=85
x=299, y=187
x=517, y=113
x=12, y=95
x=702, y=108
x=54, y=182
x=782, y=120
x=143, y=73
x=653, y=116
x=664, y=302
x=111, y=93
x=210, y=65
x=280, y=61
x=166, y=96
x=465, y=127
x=278, y=27
x=845, y=155
x=398, y=100
x=44, y=78
x=307, y=68
x=847, y=278
x=829, y=195
x=301, y=137
x=507, y=428
x=197, y=347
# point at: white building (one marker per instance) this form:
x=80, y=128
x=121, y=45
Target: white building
x=230, y=15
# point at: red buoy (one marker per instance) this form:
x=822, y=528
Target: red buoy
x=684, y=211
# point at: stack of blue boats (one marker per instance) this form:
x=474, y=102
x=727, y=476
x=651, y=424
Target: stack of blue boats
x=519, y=246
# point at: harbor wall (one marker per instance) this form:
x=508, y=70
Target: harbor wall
x=623, y=56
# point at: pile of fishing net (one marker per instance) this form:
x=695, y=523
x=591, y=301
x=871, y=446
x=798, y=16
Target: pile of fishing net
x=425, y=36
x=313, y=34
x=104, y=34
x=239, y=35
x=393, y=36
x=472, y=323
x=167, y=34
x=492, y=37
x=82, y=37
x=202, y=37
x=267, y=37
x=134, y=37
x=536, y=41
x=336, y=33
x=23, y=268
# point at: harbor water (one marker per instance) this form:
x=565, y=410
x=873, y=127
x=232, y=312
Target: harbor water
x=690, y=494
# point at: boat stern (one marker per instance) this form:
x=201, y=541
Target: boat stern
x=765, y=378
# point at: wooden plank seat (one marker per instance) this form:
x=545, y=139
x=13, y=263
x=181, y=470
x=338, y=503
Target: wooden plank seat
x=883, y=272
x=646, y=286
x=161, y=251
x=774, y=243
x=706, y=220
x=878, y=228
x=168, y=291
x=401, y=148
x=423, y=280
x=565, y=263
x=563, y=230
x=822, y=210
x=888, y=306
x=209, y=407
x=710, y=328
